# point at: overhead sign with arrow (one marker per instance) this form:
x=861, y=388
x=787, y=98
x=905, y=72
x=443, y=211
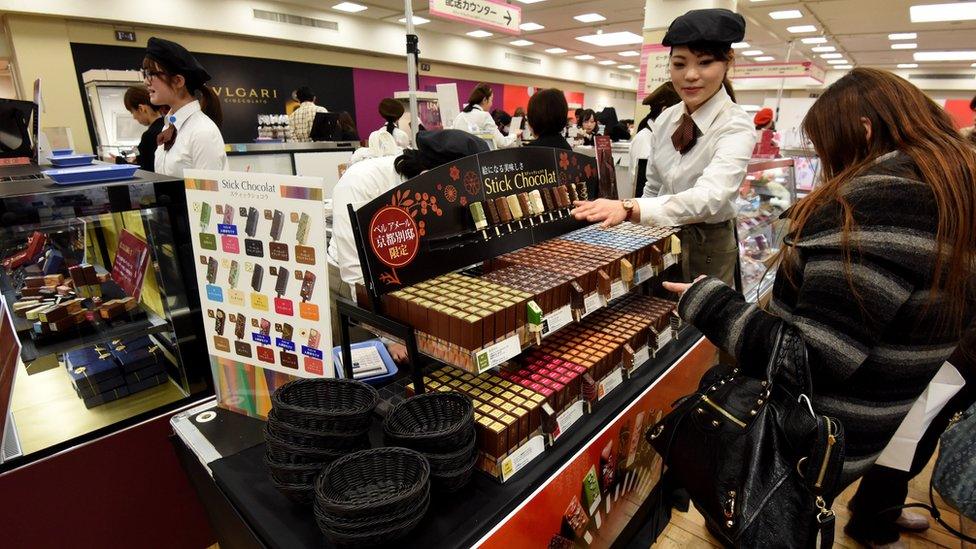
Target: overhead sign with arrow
x=491, y=14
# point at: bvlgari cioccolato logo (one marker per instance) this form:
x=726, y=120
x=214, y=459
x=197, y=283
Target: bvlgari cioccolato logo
x=240, y=94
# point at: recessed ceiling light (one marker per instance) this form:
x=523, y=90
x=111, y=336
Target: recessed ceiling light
x=625, y=67
x=479, y=34
x=556, y=50
x=521, y=43
x=531, y=26
x=814, y=40
x=612, y=39
x=350, y=7
x=903, y=36
x=904, y=46
x=907, y=65
x=765, y=58
x=786, y=14
x=584, y=57
x=590, y=18
x=945, y=55
x=752, y=53
x=844, y=67
x=608, y=62
x=800, y=29
x=956, y=11
x=740, y=45
x=831, y=56
x=629, y=53
x=822, y=49
x=838, y=61
x=417, y=20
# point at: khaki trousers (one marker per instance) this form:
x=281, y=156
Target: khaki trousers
x=710, y=249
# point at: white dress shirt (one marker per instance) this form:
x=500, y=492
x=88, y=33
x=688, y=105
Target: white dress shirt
x=479, y=122
x=701, y=185
x=198, y=143
x=362, y=182
x=640, y=149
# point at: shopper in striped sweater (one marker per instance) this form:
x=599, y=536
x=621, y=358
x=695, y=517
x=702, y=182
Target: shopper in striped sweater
x=877, y=272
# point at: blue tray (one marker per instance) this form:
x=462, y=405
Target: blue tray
x=70, y=160
x=91, y=174
x=376, y=379
x=62, y=152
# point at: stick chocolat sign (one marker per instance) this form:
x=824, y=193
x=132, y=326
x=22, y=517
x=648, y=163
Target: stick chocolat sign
x=466, y=211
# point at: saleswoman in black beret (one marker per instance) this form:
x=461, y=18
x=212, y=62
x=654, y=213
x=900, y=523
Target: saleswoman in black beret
x=191, y=137
x=700, y=149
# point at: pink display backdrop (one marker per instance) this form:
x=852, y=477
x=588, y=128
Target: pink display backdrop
x=371, y=86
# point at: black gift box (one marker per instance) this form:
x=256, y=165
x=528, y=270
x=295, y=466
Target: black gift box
x=147, y=383
x=136, y=354
x=107, y=396
x=144, y=374
x=86, y=389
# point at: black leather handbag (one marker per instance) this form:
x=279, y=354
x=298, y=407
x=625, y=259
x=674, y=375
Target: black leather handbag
x=759, y=464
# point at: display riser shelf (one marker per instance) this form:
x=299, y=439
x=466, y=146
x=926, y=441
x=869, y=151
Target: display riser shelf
x=454, y=520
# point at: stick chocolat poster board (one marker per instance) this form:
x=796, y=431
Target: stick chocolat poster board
x=425, y=227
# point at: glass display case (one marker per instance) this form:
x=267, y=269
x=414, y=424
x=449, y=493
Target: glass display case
x=95, y=280
x=768, y=189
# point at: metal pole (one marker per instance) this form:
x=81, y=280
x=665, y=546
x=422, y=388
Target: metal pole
x=412, y=52
x=782, y=81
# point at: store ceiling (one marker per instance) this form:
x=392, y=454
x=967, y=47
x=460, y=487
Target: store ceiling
x=858, y=29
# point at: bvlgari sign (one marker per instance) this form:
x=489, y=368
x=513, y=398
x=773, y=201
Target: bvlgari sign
x=228, y=94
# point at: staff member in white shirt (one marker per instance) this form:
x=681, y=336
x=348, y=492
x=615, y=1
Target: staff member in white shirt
x=191, y=137
x=700, y=149
x=640, y=146
x=475, y=118
x=368, y=179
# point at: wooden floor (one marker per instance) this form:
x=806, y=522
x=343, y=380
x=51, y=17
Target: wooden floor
x=687, y=530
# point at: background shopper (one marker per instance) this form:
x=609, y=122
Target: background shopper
x=640, y=146
x=877, y=270
x=136, y=101
x=191, y=137
x=347, y=127
x=301, y=119
x=547, y=118
x=475, y=118
x=700, y=149
x=587, y=127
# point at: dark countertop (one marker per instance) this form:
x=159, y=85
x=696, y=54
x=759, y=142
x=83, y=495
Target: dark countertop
x=27, y=187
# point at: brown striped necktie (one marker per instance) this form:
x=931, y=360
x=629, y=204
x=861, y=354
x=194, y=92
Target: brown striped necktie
x=166, y=137
x=685, y=137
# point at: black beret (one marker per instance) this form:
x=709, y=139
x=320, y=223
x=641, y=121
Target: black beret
x=711, y=25
x=176, y=58
x=391, y=108
x=443, y=146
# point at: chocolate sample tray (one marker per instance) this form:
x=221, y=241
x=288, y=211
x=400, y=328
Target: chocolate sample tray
x=457, y=317
x=525, y=398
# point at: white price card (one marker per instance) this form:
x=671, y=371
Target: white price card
x=568, y=418
x=495, y=355
x=644, y=274
x=592, y=302
x=523, y=456
x=609, y=383
x=669, y=260
x=618, y=289
x=641, y=356
x=556, y=320
x=664, y=338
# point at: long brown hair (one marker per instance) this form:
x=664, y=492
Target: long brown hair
x=209, y=102
x=902, y=119
x=480, y=92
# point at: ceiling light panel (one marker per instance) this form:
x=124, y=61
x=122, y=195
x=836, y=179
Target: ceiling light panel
x=823, y=49
x=531, y=26
x=740, y=45
x=801, y=29
x=350, y=7
x=907, y=65
x=838, y=61
x=814, y=40
x=903, y=36
x=904, y=46
x=521, y=43
x=844, y=67
x=608, y=62
x=584, y=57
x=931, y=13
x=629, y=53
x=608, y=39
x=786, y=14
x=831, y=56
x=752, y=53
x=590, y=18
x=417, y=20
x=479, y=34
x=765, y=58
x=625, y=67
x=945, y=55
x=556, y=50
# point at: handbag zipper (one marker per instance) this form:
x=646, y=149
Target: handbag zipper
x=724, y=412
x=831, y=440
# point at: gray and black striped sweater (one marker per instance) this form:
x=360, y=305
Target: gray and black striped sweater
x=872, y=349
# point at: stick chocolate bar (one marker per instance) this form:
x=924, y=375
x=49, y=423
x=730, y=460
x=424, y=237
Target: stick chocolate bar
x=308, y=285
x=281, y=284
x=277, y=222
x=251, y=228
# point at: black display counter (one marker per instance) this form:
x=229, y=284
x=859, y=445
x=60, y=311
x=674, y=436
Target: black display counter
x=251, y=512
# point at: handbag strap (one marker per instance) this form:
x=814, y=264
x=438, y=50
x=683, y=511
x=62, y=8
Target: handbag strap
x=789, y=358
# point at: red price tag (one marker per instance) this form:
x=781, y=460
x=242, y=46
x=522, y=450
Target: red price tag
x=393, y=236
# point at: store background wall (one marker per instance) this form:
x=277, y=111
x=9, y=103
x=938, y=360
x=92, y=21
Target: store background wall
x=64, y=102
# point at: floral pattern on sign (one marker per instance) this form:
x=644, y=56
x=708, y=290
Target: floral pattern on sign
x=450, y=193
x=455, y=173
x=472, y=183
